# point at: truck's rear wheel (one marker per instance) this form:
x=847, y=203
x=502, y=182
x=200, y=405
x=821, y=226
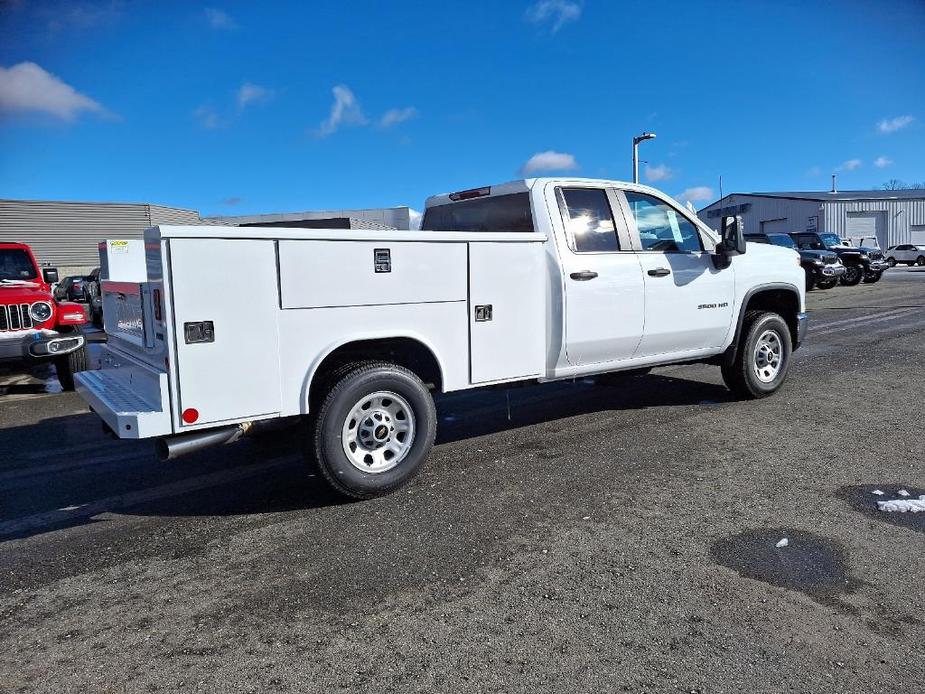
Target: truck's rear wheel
x=762, y=358
x=68, y=365
x=373, y=430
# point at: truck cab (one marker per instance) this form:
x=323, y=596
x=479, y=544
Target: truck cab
x=33, y=326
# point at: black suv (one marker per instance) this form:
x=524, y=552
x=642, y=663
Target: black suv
x=860, y=263
x=823, y=269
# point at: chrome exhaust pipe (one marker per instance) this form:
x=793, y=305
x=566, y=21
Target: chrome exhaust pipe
x=172, y=447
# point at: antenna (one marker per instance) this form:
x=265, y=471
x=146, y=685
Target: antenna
x=721, y=186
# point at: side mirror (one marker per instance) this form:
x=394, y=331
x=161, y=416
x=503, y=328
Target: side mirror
x=50, y=275
x=732, y=241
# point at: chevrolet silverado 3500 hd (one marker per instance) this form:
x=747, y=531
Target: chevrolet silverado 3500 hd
x=534, y=280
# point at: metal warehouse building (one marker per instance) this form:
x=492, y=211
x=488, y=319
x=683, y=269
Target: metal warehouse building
x=892, y=216
x=66, y=234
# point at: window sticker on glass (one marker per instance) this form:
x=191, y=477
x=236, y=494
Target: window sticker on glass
x=589, y=221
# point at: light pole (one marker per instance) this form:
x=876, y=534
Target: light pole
x=636, y=141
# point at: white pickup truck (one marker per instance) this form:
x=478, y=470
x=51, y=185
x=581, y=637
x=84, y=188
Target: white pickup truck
x=534, y=280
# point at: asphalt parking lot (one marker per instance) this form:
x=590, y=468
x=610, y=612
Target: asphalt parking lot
x=568, y=537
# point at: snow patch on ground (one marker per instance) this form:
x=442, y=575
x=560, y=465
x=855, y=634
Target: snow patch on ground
x=903, y=505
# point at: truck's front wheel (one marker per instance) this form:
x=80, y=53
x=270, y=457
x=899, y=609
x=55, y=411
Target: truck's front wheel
x=374, y=430
x=68, y=365
x=762, y=358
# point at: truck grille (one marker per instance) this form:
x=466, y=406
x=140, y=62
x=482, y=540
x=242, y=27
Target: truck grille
x=830, y=259
x=875, y=255
x=15, y=317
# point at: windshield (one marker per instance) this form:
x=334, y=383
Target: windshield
x=15, y=264
x=782, y=240
x=830, y=240
x=496, y=213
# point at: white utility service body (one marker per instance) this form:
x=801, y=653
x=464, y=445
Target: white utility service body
x=234, y=324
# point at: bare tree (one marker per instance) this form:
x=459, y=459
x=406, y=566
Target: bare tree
x=896, y=184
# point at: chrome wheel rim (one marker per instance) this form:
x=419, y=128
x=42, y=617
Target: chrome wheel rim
x=378, y=432
x=769, y=356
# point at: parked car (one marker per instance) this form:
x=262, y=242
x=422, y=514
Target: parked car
x=865, y=264
x=33, y=325
x=823, y=268
x=907, y=253
x=533, y=280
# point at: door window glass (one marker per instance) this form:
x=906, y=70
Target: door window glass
x=661, y=227
x=589, y=220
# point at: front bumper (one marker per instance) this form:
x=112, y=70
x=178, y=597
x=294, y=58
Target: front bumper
x=29, y=345
x=802, y=326
x=877, y=266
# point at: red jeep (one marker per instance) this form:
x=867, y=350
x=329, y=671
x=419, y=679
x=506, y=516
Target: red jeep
x=32, y=325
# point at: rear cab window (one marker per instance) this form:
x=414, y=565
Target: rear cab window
x=511, y=212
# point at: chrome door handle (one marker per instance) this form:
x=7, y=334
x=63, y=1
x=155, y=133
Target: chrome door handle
x=660, y=272
x=583, y=276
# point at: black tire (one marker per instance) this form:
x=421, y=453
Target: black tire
x=872, y=277
x=920, y=260
x=327, y=450
x=827, y=284
x=853, y=275
x=891, y=261
x=810, y=279
x=739, y=374
x=68, y=365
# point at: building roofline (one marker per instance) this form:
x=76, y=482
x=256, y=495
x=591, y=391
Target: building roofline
x=98, y=202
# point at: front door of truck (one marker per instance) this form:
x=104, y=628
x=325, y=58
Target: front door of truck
x=604, y=304
x=689, y=302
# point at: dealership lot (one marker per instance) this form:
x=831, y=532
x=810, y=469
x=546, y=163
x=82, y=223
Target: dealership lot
x=571, y=536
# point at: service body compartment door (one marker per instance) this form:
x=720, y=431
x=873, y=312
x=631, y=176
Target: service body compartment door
x=225, y=309
x=507, y=311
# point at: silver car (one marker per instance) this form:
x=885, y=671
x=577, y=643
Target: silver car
x=907, y=253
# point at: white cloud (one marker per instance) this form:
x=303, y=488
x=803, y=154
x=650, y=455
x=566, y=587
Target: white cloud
x=850, y=165
x=891, y=125
x=219, y=19
x=252, y=93
x=658, y=173
x=556, y=12
x=27, y=87
x=549, y=161
x=344, y=111
x=394, y=116
x=207, y=117
x=882, y=162
x=695, y=194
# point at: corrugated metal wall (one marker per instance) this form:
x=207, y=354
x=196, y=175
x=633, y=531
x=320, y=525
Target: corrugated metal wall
x=794, y=215
x=66, y=234
x=900, y=215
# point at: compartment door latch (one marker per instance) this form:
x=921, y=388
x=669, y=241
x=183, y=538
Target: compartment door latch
x=483, y=313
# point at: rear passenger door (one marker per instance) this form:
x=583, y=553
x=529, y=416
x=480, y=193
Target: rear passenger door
x=604, y=303
x=688, y=301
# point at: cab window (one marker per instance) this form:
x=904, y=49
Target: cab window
x=588, y=220
x=661, y=227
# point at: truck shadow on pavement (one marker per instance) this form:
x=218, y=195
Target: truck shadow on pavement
x=64, y=472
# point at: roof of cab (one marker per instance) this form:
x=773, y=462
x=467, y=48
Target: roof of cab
x=523, y=185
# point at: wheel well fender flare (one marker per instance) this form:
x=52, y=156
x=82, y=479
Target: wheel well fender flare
x=370, y=338
x=743, y=309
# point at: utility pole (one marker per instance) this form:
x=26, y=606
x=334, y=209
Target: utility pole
x=636, y=141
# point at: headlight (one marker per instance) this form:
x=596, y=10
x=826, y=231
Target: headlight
x=817, y=261
x=40, y=311
x=864, y=256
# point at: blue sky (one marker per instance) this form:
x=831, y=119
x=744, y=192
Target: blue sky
x=235, y=108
